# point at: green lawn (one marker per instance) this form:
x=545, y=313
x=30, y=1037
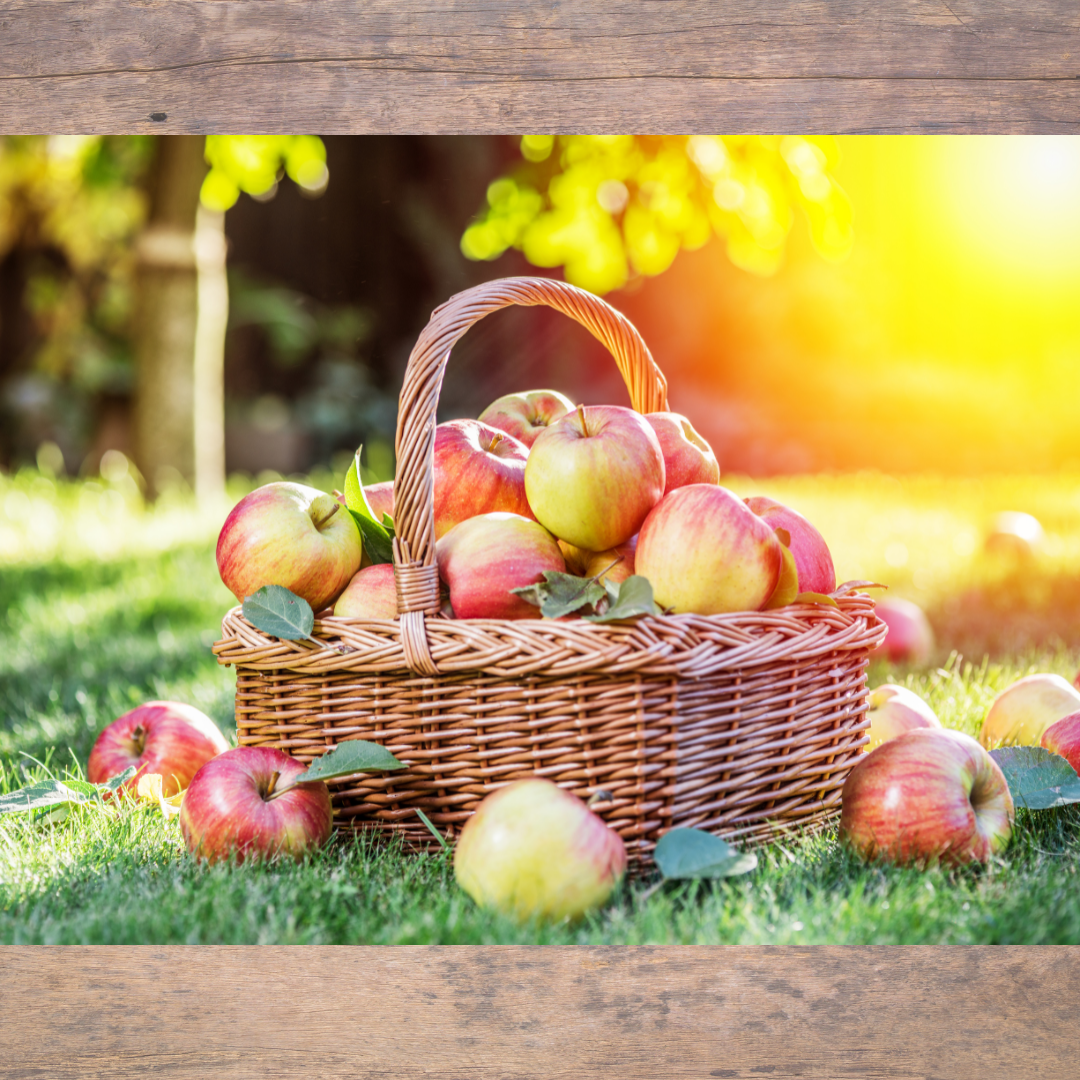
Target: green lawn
x=105, y=604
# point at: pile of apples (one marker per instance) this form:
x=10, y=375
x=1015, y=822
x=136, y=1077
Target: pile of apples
x=537, y=484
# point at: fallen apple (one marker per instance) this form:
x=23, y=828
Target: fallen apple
x=895, y=710
x=245, y=804
x=291, y=535
x=812, y=557
x=706, y=552
x=594, y=475
x=1016, y=535
x=1063, y=737
x=372, y=594
x=688, y=458
x=910, y=639
x=1023, y=711
x=526, y=415
x=165, y=737
x=927, y=796
x=483, y=558
x=535, y=851
x=477, y=470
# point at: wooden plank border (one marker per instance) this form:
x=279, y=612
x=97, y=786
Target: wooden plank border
x=451, y=1013
x=446, y=66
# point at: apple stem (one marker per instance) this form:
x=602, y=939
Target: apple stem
x=273, y=783
x=495, y=441
x=138, y=735
x=335, y=506
x=581, y=415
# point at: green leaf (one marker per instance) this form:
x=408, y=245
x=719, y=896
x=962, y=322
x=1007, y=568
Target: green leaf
x=634, y=598
x=378, y=537
x=559, y=594
x=694, y=853
x=279, y=612
x=1037, y=778
x=350, y=757
x=46, y=793
x=115, y=782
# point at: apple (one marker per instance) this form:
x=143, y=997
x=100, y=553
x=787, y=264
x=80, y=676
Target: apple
x=483, y=558
x=927, y=796
x=688, y=458
x=380, y=498
x=909, y=639
x=705, y=551
x=614, y=565
x=1015, y=534
x=894, y=710
x=165, y=737
x=812, y=557
x=1063, y=737
x=1022, y=712
x=241, y=804
x=594, y=475
x=787, y=585
x=535, y=851
x=478, y=470
x=291, y=535
x=525, y=416
x=372, y=594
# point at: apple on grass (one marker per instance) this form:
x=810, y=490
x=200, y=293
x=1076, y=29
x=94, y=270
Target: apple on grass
x=291, y=535
x=1063, y=737
x=165, y=737
x=895, y=710
x=812, y=557
x=535, y=851
x=1022, y=712
x=372, y=594
x=706, y=552
x=927, y=796
x=688, y=458
x=483, y=558
x=244, y=804
x=593, y=476
x=909, y=639
x=477, y=470
x=526, y=415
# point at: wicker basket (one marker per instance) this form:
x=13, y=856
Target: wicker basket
x=743, y=724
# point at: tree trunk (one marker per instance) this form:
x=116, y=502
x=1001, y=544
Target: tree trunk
x=180, y=327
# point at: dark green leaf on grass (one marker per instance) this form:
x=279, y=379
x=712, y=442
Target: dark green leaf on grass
x=633, y=597
x=279, y=612
x=116, y=782
x=560, y=594
x=350, y=757
x=377, y=536
x=694, y=853
x=1037, y=778
x=45, y=794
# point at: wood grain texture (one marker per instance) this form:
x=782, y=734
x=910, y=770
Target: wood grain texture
x=452, y=1013
x=366, y=66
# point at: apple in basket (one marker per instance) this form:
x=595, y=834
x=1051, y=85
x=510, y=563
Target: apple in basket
x=909, y=640
x=1063, y=737
x=243, y=804
x=477, y=470
x=535, y=851
x=372, y=594
x=614, y=565
x=380, y=498
x=483, y=558
x=688, y=458
x=526, y=415
x=705, y=551
x=894, y=710
x=812, y=557
x=927, y=796
x=1022, y=712
x=291, y=535
x=594, y=475
x=165, y=737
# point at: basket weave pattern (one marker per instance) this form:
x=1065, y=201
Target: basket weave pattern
x=744, y=724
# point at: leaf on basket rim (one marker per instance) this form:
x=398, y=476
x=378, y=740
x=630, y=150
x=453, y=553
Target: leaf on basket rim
x=1038, y=779
x=377, y=536
x=628, y=600
x=683, y=854
x=560, y=594
x=278, y=611
x=353, y=756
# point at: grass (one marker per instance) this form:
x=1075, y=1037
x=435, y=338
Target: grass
x=105, y=603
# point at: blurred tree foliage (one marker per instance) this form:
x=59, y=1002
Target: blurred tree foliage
x=255, y=164
x=607, y=208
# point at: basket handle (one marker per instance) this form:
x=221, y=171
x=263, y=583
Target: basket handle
x=414, y=506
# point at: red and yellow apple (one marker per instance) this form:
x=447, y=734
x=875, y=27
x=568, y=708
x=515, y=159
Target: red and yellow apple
x=478, y=470
x=372, y=594
x=483, y=558
x=909, y=639
x=812, y=556
x=895, y=710
x=927, y=796
x=380, y=498
x=535, y=851
x=705, y=552
x=526, y=415
x=244, y=805
x=165, y=737
x=688, y=458
x=291, y=535
x=1022, y=712
x=1063, y=737
x=615, y=565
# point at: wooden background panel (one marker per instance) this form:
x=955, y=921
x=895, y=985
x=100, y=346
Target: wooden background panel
x=452, y=1013
x=341, y=66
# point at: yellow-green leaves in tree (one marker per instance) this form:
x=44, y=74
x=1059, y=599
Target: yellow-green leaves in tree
x=254, y=164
